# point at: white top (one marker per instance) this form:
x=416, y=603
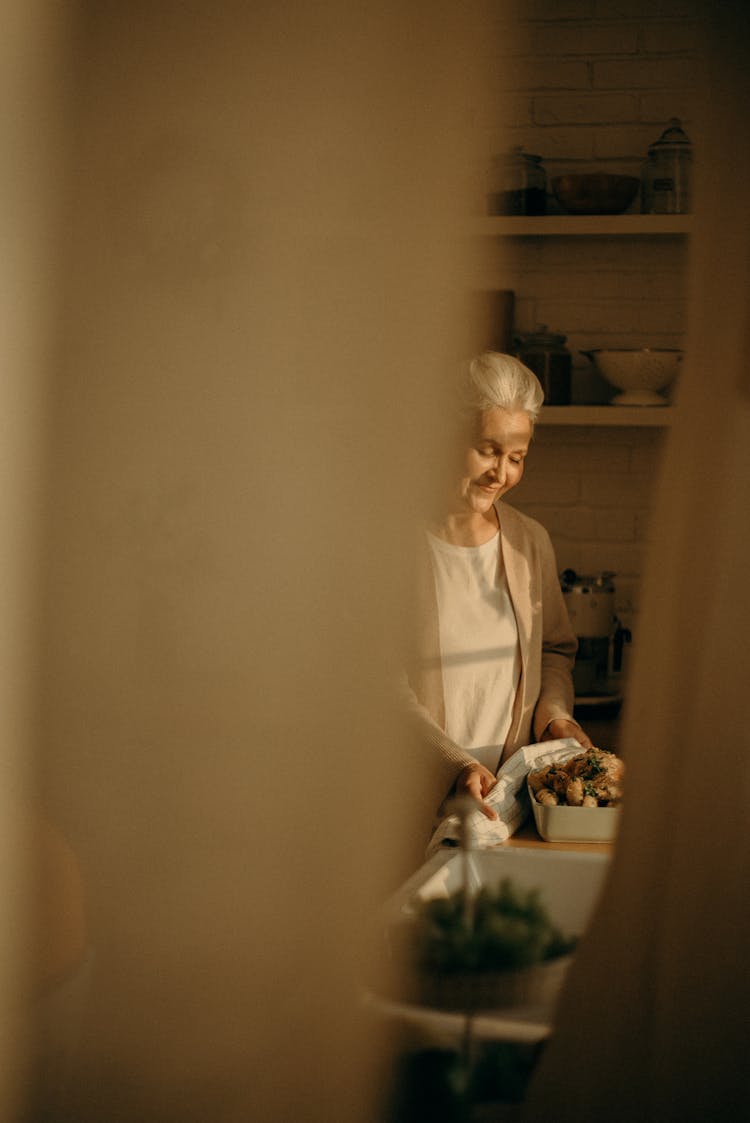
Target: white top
x=480, y=652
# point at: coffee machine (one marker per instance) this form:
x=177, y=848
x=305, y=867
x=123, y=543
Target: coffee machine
x=590, y=602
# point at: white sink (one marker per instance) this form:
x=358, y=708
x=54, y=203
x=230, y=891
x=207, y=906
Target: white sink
x=569, y=881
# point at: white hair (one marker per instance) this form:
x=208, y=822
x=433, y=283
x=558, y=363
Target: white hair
x=495, y=381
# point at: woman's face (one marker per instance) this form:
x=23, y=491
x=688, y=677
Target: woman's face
x=494, y=463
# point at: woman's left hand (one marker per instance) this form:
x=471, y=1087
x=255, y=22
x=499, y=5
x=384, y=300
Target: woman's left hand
x=562, y=727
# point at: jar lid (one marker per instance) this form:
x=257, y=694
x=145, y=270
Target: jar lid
x=594, y=582
x=516, y=155
x=674, y=136
x=542, y=337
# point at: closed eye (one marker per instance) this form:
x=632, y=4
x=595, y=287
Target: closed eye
x=489, y=452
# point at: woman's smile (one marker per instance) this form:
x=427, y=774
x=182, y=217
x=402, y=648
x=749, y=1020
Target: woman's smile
x=495, y=461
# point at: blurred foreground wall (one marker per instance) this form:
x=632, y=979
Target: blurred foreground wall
x=262, y=292
x=31, y=143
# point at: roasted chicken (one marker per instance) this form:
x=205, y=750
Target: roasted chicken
x=593, y=778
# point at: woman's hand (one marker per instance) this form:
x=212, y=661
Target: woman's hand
x=562, y=727
x=477, y=781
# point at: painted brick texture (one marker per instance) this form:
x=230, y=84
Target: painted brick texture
x=593, y=491
x=589, y=66
x=589, y=86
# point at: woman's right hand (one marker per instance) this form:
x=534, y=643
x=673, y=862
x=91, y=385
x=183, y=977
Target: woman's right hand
x=477, y=781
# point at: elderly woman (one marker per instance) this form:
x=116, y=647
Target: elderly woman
x=492, y=665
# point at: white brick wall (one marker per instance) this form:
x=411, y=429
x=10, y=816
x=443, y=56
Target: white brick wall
x=592, y=65
x=586, y=38
x=589, y=86
x=604, y=292
x=593, y=490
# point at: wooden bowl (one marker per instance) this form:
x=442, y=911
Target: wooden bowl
x=595, y=192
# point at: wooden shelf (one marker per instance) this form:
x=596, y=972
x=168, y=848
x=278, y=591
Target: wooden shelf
x=594, y=225
x=604, y=225
x=645, y=416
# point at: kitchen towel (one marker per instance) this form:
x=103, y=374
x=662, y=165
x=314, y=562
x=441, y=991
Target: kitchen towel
x=508, y=798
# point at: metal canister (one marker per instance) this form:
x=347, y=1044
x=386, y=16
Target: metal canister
x=545, y=353
x=518, y=184
x=667, y=172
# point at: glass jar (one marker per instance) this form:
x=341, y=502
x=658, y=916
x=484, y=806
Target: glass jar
x=545, y=353
x=518, y=184
x=667, y=172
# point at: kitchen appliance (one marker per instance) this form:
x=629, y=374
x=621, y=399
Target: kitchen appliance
x=545, y=353
x=590, y=602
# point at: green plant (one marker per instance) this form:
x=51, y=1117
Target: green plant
x=505, y=928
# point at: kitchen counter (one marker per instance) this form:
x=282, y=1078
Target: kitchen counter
x=528, y=837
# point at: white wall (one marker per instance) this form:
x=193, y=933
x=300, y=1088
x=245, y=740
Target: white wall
x=591, y=81
x=589, y=85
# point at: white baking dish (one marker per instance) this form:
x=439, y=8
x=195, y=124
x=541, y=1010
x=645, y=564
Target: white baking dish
x=575, y=824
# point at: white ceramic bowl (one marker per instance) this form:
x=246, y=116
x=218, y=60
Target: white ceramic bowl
x=639, y=373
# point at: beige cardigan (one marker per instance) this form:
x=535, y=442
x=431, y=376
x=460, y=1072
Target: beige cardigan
x=547, y=641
